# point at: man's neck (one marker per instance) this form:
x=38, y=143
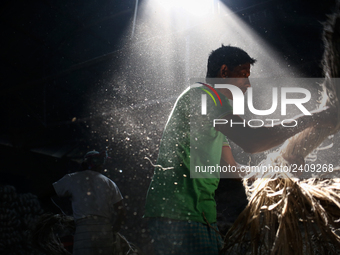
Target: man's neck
x=226, y=93
x=218, y=79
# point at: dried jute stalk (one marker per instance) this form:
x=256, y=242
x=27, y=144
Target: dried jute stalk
x=288, y=216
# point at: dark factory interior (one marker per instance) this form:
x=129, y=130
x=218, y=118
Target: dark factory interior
x=103, y=75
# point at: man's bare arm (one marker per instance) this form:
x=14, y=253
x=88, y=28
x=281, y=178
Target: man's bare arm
x=227, y=156
x=254, y=140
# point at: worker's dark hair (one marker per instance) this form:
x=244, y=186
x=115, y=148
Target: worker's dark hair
x=229, y=56
x=94, y=159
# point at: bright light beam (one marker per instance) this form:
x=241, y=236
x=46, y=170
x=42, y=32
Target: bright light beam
x=169, y=47
x=170, y=44
x=193, y=7
x=168, y=23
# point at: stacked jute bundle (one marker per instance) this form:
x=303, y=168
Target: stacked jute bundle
x=48, y=231
x=18, y=214
x=51, y=227
x=286, y=215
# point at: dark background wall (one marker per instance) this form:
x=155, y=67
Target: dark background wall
x=84, y=75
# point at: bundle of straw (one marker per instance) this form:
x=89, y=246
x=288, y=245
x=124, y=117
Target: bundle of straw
x=286, y=215
x=50, y=227
x=45, y=234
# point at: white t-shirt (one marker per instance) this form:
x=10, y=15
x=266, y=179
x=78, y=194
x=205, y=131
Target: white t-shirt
x=91, y=193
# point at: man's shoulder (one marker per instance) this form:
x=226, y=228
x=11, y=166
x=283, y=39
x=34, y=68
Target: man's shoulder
x=195, y=87
x=192, y=92
x=106, y=179
x=87, y=174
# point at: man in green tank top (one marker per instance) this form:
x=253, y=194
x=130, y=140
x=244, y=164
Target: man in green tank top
x=180, y=205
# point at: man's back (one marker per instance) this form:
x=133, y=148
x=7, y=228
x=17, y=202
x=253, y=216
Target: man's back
x=91, y=192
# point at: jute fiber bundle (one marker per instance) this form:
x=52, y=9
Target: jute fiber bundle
x=286, y=215
x=51, y=227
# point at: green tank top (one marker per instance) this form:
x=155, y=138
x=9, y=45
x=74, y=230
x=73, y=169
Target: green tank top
x=189, y=140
